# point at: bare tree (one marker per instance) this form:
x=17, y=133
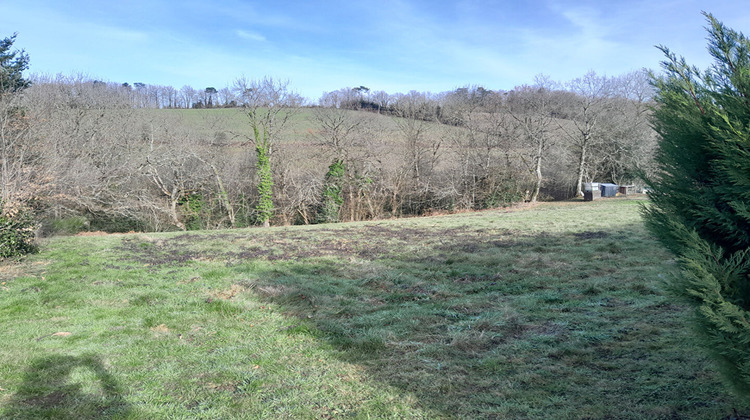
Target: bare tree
x=175, y=169
x=23, y=175
x=169, y=97
x=484, y=154
x=345, y=136
x=338, y=130
x=628, y=152
x=414, y=115
x=226, y=97
x=347, y=98
x=588, y=110
x=533, y=109
x=382, y=99
x=187, y=96
x=87, y=135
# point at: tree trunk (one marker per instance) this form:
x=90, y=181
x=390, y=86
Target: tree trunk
x=173, y=200
x=538, y=172
x=223, y=196
x=581, y=168
x=351, y=203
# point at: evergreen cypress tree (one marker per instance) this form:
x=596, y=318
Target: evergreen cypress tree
x=12, y=65
x=17, y=224
x=700, y=199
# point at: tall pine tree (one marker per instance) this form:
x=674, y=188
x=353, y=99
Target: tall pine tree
x=700, y=199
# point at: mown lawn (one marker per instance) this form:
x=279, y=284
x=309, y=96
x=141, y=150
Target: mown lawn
x=555, y=311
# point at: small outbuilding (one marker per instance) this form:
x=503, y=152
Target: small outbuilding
x=608, y=190
x=591, y=191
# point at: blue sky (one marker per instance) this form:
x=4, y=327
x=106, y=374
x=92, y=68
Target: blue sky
x=394, y=46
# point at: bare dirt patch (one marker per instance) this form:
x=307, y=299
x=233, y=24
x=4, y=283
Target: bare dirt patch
x=227, y=294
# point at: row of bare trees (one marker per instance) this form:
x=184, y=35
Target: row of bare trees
x=89, y=151
x=142, y=95
x=475, y=148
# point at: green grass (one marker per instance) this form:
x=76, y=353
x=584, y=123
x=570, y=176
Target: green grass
x=551, y=312
x=230, y=122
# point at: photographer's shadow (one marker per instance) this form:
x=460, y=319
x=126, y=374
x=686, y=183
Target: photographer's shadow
x=67, y=387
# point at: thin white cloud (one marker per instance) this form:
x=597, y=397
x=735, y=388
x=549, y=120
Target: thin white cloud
x=586, y=20
x=116, y=34
x=249, y=35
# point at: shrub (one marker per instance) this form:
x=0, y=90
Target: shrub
x=113, y=223
x=701, y=195
x=194, y=206
x=17, y=232
x=67, y=226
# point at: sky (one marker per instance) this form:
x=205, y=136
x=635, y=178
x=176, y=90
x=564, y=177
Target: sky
x=394, y=46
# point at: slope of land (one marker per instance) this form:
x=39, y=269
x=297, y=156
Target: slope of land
x=556, y=311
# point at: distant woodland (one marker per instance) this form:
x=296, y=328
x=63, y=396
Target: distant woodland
x=90, y=155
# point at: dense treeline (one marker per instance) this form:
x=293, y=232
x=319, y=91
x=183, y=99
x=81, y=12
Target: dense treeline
x=95, y=155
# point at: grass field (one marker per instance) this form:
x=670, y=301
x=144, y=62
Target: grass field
x=554, y=311
x=233, y=122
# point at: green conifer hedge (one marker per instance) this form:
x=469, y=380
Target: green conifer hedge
x=700, y=199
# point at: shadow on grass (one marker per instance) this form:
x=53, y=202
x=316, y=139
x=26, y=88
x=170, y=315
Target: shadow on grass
x=480, y=321
x=67, y=387
x=508, y=326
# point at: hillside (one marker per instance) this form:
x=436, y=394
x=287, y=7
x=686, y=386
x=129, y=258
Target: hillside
x=92, y=156
x=551, y=311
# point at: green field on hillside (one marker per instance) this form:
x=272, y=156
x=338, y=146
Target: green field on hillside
x=553, y=311
x=233, y=122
